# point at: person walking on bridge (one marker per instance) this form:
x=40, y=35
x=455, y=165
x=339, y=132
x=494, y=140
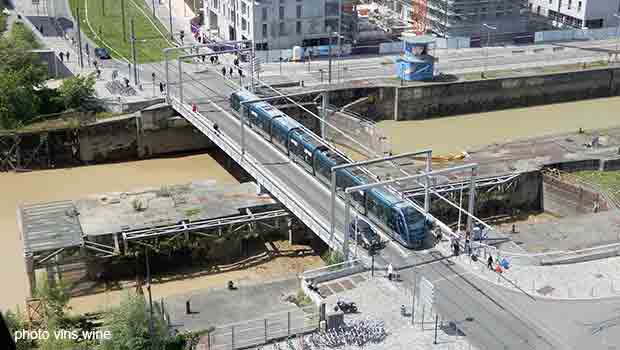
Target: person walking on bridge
x=67, y=55
x=490, y=262
x=224, y=72
x=390, y=271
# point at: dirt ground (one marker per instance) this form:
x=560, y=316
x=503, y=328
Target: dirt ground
x=284, y=261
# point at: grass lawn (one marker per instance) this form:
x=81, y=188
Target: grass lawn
x=108, y=28
x=609, y=180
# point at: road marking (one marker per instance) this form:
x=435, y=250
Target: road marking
x=451, y=277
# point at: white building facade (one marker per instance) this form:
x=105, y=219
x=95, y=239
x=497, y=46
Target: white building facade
x=578, y=13
x=278, y=24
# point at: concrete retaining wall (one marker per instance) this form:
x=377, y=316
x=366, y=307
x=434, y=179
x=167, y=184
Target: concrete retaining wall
x=363, y=132
x=566, y=199
x=443, y=99
x=430, y=100
x=610, y=164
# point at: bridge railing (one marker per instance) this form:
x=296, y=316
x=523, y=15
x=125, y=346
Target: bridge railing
x=262, y=175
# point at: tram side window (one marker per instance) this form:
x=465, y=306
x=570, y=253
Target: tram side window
x=323, y=168
x=392, y=215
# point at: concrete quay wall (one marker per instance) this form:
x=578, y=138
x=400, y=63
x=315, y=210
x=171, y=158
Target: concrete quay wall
x=424, y=101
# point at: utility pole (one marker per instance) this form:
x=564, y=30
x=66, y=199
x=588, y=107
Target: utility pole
x=170, y=18
x=123, y=20
x=79, y=34
x=154, y=16
x=103, y=7
x=133, y=53
x=329, y=73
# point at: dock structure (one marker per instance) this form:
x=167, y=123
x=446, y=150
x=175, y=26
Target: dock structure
x=105, y=226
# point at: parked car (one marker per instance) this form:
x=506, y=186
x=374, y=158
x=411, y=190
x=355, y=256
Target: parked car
x=366, y=236
x=102, y=53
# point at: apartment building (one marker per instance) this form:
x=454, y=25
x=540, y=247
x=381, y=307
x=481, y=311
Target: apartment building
x=279, y=24
x=578, y=13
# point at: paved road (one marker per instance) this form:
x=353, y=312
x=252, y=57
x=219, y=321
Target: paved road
x=450, y=61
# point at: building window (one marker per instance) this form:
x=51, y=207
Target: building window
x=265, y=30
x=570, y=4
x=298, y=11
x=264, y=14
x=282, y=29
x=244, y=8
x=579, y=6
x=281, y=12
x=298, y=28
x=550, y=2
x=244, y=24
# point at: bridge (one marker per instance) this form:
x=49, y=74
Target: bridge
x=498, y=320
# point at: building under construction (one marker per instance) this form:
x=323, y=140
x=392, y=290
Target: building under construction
x=452, y=18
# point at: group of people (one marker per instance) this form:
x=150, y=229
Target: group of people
x=63, y=55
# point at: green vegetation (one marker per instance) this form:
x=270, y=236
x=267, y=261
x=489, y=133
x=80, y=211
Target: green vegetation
x=21, y=80
x=332, y=257
x=608, y=180
x=107, y=28
x=78, y=93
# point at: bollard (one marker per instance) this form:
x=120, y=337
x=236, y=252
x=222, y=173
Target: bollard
x=422, y=322
x=232, y=337
x=187, y=308
x=265, y=331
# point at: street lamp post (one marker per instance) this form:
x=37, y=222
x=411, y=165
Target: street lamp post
x=486, y=59
x=617, y=35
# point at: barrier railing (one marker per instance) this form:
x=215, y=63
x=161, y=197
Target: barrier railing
x=264, y=330
x=262, y=175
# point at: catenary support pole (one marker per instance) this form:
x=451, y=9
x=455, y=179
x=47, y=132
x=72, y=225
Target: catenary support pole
x=170, y=18
x=133, y=53
x=124, y=25
x=472, y=200
x=332, y=218
x=79, y=35
x=180, y=88
x=347, y=218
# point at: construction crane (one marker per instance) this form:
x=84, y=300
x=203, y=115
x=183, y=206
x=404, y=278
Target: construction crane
x=418, y=16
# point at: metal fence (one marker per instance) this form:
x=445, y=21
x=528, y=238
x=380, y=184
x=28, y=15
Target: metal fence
x=262, y=331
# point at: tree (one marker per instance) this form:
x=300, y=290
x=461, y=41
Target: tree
x=15, y=321
x=78, y=92
x=129, y=325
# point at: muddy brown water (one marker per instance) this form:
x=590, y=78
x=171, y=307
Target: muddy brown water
x=59, y=184
x=459, y=133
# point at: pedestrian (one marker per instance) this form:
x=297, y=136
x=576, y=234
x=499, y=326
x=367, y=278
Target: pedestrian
x=490, y=262
x=95, y=63
x=236, y=62
x=161, y=88
x=240, y=72
x=212, y=59
x=98, y=73
x=224, y=71
x=126, y=82
x=217, y=59
x=87, y=48
x=390, y=271
x=216, y=127
x=41, y=29
x=62, y=56
x=203, y=58
x=230, y=71
x=67, y=55
x=456, y=248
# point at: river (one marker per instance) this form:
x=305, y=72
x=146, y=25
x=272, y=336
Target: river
x=70, y=183
x=465, y=132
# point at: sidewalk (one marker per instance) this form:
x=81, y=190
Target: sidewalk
x=586, y=280
x=181, y=16
x=56, y=42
